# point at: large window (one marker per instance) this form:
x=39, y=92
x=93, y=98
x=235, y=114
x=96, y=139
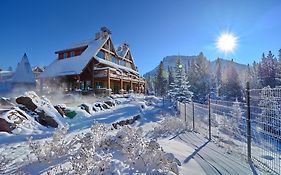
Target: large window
x=72, y=54
x=101, y=55
x=99, y=85
x=114, y=59
x=122, y=63
x=128, y=65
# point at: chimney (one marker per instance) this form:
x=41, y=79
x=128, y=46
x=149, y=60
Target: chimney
x=103, y=33
x=125, y=46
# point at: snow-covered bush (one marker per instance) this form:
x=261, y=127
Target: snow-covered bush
x=49, y=150
x=106, y=151
x=169, y=126
x=4, y=161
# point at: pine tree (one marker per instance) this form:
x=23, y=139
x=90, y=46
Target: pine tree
x=268, y=70
x=218, y=76
x=179, y=90
x=150, y=84
x=278, y=72
x=161, y=82
x=231, y=85
x=200, y=78
x=253, y=75
x=170, y=76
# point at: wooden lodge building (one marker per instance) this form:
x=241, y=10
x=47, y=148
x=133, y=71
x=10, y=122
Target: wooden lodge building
x=95, y=65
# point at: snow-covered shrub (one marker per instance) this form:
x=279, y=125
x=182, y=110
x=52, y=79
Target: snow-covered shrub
x=122, y=151
x=4, y=161
x=168, y=127
x=141, y=154
x=49, y=150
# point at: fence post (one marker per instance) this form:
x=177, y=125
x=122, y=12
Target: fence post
x=185, y=112
x=209, y=105
x=193, y=123
x=248, y=123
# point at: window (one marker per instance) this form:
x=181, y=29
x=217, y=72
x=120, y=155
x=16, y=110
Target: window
x=64, y=55
x=72, y=54
x=128, y=65
x=99, y=85
x=100, y=54
x=114, y=59
x=122, y=62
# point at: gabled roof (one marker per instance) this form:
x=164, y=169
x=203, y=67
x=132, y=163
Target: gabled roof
x=73, y=65
x=122, y=52
x=23, y=73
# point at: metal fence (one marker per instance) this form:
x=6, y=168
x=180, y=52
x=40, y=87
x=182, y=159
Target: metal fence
x=251, y=130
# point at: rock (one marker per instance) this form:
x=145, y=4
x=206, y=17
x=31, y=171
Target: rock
x=6, y=126
x=16, y=116
x=46, y=120
x=114, y=125
x=169, y=157
x=5, y=102
x=60, y=110
x=136, y=117
x=109, y=103
x=27, y=102
x=98, y=105
x=131, y=121
x=85, y=107
x=105, y=106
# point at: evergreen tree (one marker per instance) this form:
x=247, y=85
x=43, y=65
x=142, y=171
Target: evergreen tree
x=218, y=76
x=150, y=84
x=161, y=82
x=170, y=76
x=268, y=70
x=200, y=78
x=253, y=75
x=179, y=89
x=278, y=72
x=231, y=85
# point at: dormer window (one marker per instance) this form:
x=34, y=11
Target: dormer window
x=64, y=55
x=72, y=54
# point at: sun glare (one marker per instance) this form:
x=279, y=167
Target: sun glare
x=226, y=42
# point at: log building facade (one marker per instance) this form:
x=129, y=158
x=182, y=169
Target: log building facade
x=95, y=65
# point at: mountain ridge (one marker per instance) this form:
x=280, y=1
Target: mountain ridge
x=170, y=61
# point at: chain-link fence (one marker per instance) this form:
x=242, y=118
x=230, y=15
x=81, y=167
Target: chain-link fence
x=251, y=130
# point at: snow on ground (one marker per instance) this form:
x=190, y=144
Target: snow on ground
x=191, y=151
x=181, y=150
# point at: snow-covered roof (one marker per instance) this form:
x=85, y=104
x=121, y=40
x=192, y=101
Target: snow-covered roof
x=73, y=65
x=23, y=73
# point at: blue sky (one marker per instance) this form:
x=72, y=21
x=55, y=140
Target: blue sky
x=153, y=28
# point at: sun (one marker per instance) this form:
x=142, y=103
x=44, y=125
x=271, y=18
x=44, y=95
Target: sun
x=226, y=42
